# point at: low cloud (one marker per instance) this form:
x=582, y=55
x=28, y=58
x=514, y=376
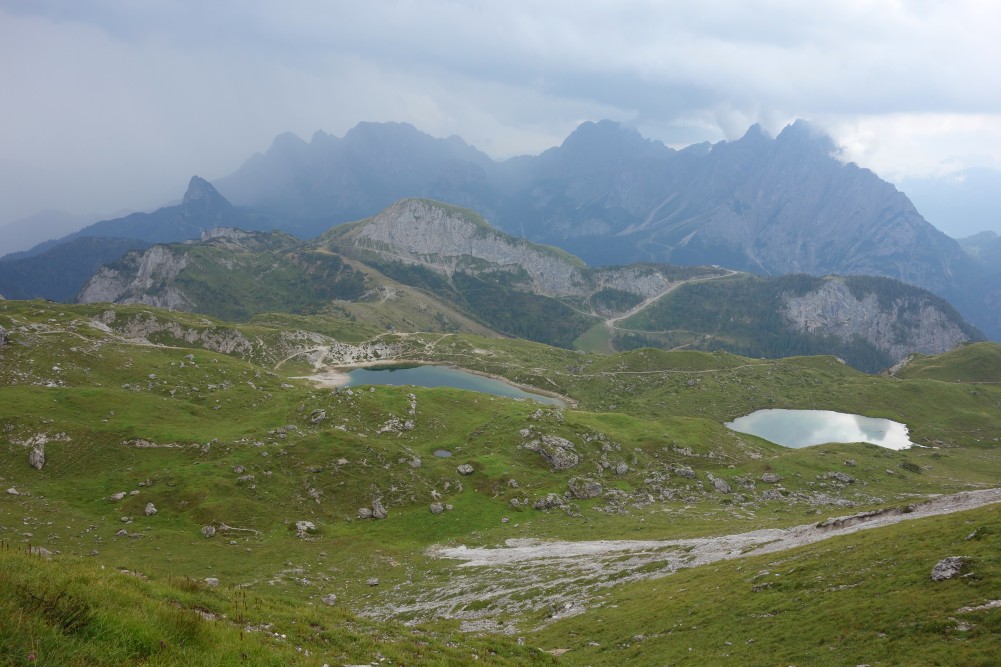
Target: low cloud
x=115, y=102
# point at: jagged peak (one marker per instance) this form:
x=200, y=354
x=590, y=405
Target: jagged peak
x=201, y=193
x=286, y=141
x=603, y=130
x=755, y=133
x=395, y=130
x=608, y=138
x=806, y=134
x=321, y=138
x=199, y=189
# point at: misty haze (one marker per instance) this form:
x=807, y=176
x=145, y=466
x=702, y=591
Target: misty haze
x=425, y=333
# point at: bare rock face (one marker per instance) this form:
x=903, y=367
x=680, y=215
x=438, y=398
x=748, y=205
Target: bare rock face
x=911, y=323
x=329, y=599
x=364, y=512
x=464, y=469
x=4, y=337
x=208, y=531
x=150, y=509
x=145, y=277
x=559, y=452
x=36, y=457
x=447, y=239
x=770, y=478
x=947, y=568
x=437, y=508
x=378, y=510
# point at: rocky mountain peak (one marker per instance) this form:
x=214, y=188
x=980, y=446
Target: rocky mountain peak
x=803, y=135
x=202, y=196
x=609, y=139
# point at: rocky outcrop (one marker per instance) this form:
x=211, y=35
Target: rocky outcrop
x=719, y=484
x=914, y=322
x=583, y=488
x=304, y=529
x=217, y=339
x=140, y=277
x=947, y=568
x=446, y=239
x=559, y=452
x=36, y=457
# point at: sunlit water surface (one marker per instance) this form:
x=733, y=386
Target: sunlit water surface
x=803, y=428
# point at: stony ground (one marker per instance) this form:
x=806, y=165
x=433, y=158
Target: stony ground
x=562, y=579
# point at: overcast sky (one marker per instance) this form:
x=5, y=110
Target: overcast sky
x=111, y=104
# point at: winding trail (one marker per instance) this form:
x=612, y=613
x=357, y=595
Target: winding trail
x=646, y=303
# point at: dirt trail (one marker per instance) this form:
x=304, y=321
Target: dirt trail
x=611, y=321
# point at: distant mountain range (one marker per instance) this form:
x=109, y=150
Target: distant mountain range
x=767, y=205
x=770, y=206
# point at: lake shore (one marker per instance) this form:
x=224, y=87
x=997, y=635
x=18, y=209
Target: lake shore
x=333, y=377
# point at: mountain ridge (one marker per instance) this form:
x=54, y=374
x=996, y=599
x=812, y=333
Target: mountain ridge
x=517, y=288
x=767, y=205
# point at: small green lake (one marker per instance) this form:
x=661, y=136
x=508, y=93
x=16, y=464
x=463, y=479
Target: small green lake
x=803, y=428
x=440, y=376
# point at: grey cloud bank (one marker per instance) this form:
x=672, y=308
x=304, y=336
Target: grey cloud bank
x=116, y=104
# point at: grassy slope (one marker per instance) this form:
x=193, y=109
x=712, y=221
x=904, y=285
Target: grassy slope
x=975, y=363
x=68, y=611
x=658, y=409
x=865, y=598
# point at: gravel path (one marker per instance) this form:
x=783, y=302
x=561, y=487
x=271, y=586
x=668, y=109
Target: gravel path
x=711, y=549
x=492, y=586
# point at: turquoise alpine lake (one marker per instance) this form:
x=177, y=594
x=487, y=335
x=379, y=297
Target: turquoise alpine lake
x=803, y=428
x=440, y=376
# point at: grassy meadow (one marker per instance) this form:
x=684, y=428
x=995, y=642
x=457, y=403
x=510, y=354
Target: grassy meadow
x=206, y=420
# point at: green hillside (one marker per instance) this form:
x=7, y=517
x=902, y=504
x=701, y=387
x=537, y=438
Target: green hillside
x=210, y=423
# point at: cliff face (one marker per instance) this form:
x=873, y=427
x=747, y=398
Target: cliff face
x=140, y=277
x=898, y=325
x=447, y=239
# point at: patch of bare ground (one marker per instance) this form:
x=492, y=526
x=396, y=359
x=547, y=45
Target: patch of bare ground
x=553, y=580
